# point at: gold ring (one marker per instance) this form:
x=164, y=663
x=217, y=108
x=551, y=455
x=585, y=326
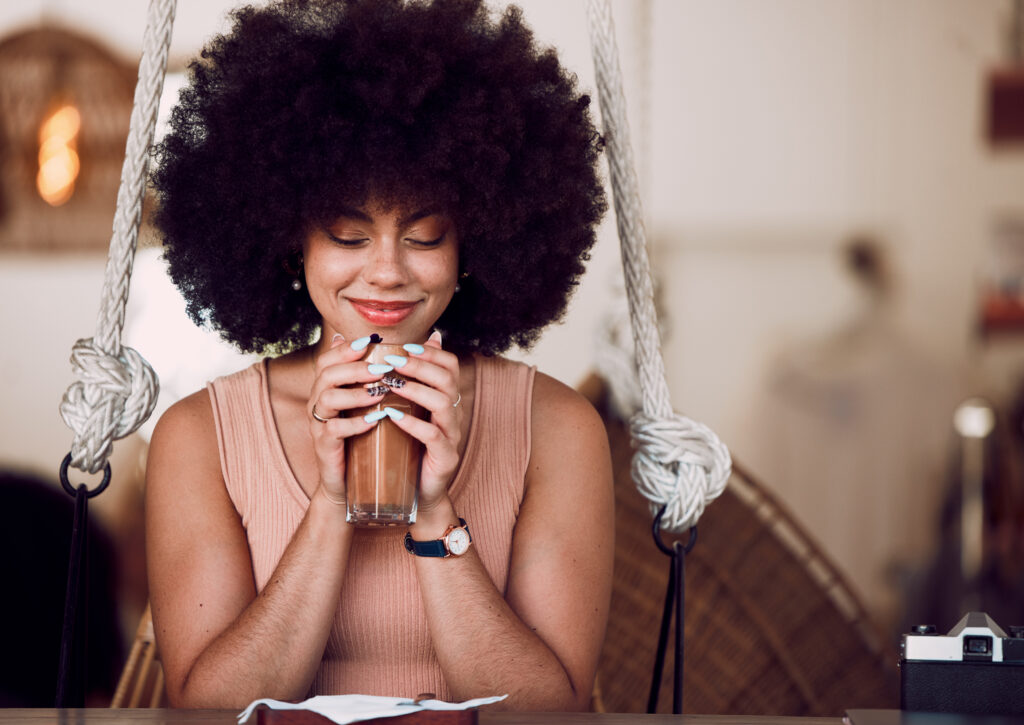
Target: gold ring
x=317, y=417
x=456, y=403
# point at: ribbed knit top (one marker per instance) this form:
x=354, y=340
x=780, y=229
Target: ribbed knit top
x=379, y=643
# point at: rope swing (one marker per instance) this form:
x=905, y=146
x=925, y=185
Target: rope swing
x=679, y=465
x=115, y=389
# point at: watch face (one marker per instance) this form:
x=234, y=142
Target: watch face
x=458, y=542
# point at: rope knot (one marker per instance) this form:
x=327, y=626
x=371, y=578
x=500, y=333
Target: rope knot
x=111, y=398
x=679, y=464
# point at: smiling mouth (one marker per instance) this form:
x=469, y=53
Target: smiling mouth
x=383, y=312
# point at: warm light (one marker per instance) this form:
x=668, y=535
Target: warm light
x=58, y=155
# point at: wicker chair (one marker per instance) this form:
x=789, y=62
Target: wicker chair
x=142, y=680
x=771, y=626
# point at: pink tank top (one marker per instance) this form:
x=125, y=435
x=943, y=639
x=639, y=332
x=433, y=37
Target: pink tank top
x=379, y=643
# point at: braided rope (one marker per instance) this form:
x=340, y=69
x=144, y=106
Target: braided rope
x=612, y=354
x=115, y=389
x=678, y=463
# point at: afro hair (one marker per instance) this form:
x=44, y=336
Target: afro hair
x=307, y=106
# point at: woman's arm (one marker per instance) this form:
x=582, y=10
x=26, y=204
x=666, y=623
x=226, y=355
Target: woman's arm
x=221, y=644
x=541, y=642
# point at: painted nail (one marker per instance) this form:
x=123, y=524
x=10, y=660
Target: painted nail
x=393, y=381
x=396, y=360
x=377, y=390
x=361, y=343
x=376, y=415
x=393, y=413
x=337, y=338
x=378, y=368
x=435, y=336
x=413, y=348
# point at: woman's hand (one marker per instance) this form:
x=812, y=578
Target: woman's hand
x=432, y=377
x=338, y=386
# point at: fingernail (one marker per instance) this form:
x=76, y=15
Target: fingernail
x=377, y=390
x=413, y=348
x=378, y=368
x=376, y=415
x=394, y=413
x=361, y=343
x=396, y=360
x=338, y=337
x=435, y=336
x=393, y=381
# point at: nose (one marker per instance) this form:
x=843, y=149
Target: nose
x=385, y=265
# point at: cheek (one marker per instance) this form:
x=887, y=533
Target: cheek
x=331, y=270
x=447, y=271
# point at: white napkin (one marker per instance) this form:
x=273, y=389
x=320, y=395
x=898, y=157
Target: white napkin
x=344, y=709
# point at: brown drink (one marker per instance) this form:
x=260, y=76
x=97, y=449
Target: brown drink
x=382, y=466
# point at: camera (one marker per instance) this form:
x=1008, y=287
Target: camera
x=976, y=669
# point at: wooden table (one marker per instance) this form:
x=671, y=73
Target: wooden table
x=99, y=716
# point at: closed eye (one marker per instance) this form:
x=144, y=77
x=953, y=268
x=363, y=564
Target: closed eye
x=428, y=243
x=345, y=242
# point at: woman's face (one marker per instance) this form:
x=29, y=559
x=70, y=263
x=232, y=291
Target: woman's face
x=389, y=271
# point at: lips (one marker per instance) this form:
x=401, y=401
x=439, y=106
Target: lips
x=383, y=312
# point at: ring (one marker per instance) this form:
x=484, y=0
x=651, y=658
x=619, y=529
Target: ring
x=459, y=400
x=317, y=417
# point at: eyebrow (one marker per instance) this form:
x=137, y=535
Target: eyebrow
x=415, y=216
x=421, y=214
x=352, y=213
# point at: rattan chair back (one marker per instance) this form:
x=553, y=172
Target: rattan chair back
x=142, y=680
x=771, y=626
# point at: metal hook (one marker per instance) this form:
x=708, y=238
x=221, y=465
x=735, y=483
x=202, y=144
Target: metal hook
x=71, y=489
x=670, y=550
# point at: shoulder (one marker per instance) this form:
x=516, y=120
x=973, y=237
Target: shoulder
x=556, y=405
x=188, y=425
x=184, y=480
x=555, y=409
x=565, y=427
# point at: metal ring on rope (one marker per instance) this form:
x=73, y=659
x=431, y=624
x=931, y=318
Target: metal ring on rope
x=671, y=550
x=72, y=491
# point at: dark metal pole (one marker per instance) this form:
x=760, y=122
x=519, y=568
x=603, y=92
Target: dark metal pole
x=71, y=672
x=659, y=657
x=674, y=597
x=679, y=568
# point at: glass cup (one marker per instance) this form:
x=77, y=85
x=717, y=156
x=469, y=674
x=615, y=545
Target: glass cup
x=382, y=465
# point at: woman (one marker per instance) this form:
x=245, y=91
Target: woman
x=419, y=172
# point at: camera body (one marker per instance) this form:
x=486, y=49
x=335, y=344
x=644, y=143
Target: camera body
x=976, y=669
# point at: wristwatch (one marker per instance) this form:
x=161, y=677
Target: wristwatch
x=454, y=542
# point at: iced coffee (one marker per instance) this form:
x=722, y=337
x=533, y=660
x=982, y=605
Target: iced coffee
x=382, y=465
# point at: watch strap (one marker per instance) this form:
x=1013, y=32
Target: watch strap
x=434, y=547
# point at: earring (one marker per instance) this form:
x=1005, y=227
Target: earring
x=293, y=266
x=463, y=275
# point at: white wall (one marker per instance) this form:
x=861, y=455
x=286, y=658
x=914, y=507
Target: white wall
x=771, y=131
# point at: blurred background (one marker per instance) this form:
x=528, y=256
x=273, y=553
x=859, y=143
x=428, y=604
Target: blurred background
x=834, y=200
